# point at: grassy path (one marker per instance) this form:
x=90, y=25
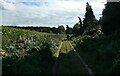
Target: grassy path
x=68, y=62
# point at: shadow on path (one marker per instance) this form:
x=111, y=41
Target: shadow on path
x=70, y=64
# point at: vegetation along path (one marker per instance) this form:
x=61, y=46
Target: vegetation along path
x=69, y=62
x=84, y=64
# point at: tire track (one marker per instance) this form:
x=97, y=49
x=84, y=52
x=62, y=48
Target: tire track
x=84, y=64
x=55, y=66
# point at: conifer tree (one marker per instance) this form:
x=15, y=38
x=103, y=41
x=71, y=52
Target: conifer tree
x=111, y=18
x=89, y=20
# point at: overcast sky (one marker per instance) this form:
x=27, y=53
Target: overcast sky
x=46, y=12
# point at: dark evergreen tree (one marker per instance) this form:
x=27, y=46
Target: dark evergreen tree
x=89, y=21
x=111, y=18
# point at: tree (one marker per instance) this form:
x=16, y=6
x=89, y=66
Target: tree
x=68, y=30
x=54, y=29
x=111, y=18
x=61, y=29
x=81, y=26
x=76, y=29
x=89, y=22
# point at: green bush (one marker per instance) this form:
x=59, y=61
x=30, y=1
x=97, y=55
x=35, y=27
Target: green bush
x=100, y=53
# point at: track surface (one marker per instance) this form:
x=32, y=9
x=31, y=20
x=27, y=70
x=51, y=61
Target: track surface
x=69, y=61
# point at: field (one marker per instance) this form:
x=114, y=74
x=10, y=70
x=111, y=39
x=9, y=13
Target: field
x=28, y=52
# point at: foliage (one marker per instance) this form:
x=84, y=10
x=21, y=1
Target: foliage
x=76, y=29
x=69, y=30
x=40, y=29
x=28, y=52
x=89, y=25
x=100, y=53
x=110, y=18
x=89, y=22
x=61, y=29
x=99, y=46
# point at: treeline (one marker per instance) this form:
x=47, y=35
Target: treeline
x=59, y=30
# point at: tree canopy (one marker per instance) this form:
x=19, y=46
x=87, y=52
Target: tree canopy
x=61, y=29
x=111, y=18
